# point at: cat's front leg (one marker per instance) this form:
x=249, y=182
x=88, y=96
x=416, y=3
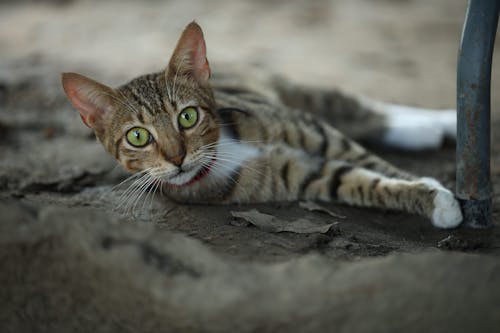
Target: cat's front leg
x=446, y=212
x=361, y=187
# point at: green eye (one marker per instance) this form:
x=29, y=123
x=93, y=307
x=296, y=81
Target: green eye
x=188, y=117
x=138, y=137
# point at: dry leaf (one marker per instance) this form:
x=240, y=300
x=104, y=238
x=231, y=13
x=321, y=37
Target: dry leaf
x=314, y=207
x=271, y=223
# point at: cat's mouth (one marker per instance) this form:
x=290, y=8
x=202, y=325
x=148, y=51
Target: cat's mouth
x=187, y=178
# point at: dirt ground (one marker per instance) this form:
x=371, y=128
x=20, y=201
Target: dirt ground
x=400, y=51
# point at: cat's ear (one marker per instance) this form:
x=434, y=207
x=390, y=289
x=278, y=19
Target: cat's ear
x=93, y=100
x=190, y=55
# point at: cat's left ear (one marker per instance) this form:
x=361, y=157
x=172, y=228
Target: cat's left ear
x=93, y=100
x=190, y=55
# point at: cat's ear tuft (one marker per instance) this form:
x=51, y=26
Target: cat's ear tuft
x=190, y=55
x=93, y=100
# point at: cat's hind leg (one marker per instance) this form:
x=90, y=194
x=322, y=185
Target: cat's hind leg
x=413, y=128
x=369, y=121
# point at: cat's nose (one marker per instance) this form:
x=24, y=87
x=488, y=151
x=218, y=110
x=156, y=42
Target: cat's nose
x=177, y=160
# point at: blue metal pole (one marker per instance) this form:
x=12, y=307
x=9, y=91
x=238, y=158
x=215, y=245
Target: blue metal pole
x=473, y=111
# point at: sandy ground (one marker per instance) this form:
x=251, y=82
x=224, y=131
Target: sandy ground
x=396, y=50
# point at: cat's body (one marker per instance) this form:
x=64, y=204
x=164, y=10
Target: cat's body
x=257, y=138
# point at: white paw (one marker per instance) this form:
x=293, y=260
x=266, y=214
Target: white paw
x=412, y=136
x=448, y=121
x=416, y=129
x=447, y=213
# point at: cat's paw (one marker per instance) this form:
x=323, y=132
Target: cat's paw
x=446, y=213
x=413, y=128
x=448, y=121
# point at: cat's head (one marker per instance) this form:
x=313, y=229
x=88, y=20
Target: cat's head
x=164, y=122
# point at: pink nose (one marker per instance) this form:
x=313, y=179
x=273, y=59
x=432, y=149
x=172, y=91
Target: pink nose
x=177, y=160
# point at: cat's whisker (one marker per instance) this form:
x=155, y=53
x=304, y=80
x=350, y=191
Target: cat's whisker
x=208, y=162
x=227, y=154
x=157, y=185
x=161, y=188
x=222, y=177
x=225, y=142
x=130, y=178
x=163, y=174
x=131, y=191
x=135, y=178
x=214, y=155
x=251, y=170
x=148, y=191
x=116, y=187
x=230, y=159
x=134, y=188
x=143, y=189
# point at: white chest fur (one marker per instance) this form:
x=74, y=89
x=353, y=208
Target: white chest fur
x=231, y=155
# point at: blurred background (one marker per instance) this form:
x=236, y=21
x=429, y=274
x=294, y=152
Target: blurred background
x=397, y=50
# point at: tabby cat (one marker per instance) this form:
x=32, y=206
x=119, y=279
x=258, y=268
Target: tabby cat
x=249, y=139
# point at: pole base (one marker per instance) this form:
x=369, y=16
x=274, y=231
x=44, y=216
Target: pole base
x=476, y=213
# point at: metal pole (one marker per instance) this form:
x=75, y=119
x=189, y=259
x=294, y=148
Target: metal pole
x=473, y=111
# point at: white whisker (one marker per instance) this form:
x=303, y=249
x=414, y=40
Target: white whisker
x=130, y=193
x=222, y=177
x=130, y=189
x=130, y=178
x=144, y=188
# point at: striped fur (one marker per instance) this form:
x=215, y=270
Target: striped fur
x=259, y=139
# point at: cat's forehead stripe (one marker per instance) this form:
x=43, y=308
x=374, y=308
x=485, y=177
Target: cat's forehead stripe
x=159, y=94
x=147, y=96
x=149, y=92
x=137, y=97
x=140, y=117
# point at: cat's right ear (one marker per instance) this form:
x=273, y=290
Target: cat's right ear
x=93, y=100
x=190, y=56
